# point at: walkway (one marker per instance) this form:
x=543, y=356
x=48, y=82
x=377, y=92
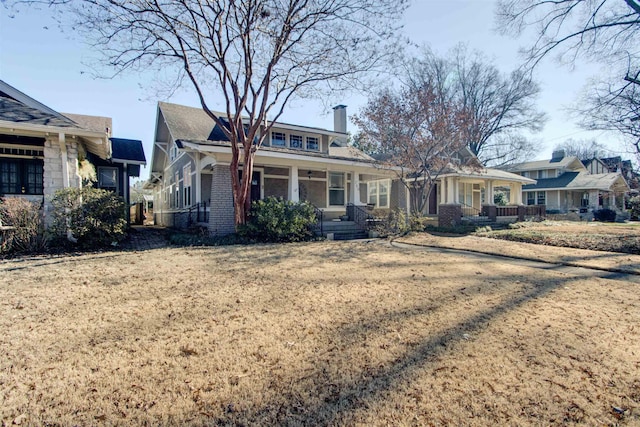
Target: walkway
x=144, y=238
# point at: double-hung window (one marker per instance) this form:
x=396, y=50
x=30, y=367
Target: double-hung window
x=336, y=189
x=542, y=197
x=378, y=193
x=531, y=198
x=186, y=184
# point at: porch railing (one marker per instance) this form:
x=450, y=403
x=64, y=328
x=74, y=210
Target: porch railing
x=319, y=219
x=506, y=211
x=199, y=212
x=470, y=211
x=359, y=215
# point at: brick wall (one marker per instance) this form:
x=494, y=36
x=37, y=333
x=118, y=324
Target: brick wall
x=449, y=215
x=221, y=220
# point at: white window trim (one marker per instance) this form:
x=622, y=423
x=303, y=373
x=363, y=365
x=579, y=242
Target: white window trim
x=344, y=188
x=377, y=184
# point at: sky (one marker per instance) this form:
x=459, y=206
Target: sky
x=51, y=67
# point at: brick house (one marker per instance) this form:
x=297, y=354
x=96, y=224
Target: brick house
x=42, y=150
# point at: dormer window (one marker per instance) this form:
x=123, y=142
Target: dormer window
x=278, y=139
x=295, y=141
x=312, y=143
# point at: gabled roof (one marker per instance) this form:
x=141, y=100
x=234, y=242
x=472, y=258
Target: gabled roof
x=578, y=181
x=12, y=110
x=127, y=151
x=488, y=173
x=95, y=123
x=193, y=124
x=564, y=163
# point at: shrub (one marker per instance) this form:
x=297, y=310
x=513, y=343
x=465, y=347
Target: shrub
x=277, y=220
x=95, y=218
x=604, y=215
x=27, y=232
x=633, y=204
x=500, y=198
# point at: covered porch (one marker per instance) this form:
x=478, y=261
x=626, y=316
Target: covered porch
x=487, y=195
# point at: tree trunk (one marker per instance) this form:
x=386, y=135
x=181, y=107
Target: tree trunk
x=242, y=189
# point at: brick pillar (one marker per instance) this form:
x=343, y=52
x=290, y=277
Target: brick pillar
x=521, y=212
x=449, y=215
x=490, y=211
x=221, y=218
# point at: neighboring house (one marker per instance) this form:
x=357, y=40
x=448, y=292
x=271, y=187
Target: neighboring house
x=598, y=165
x=42, y=150
x=191, y=180
x=565, y=184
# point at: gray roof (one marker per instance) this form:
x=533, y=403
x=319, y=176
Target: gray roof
x=349, y=155
x=12, y=110
x=193, y=124
x=577, y=181
x=543, y=164
x=94, y=123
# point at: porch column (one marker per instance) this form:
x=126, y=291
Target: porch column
x=354, y=194
x=518, y=189
x=613, y=201
x=456, y=191
x=443, y=191
x=64, y=160
x=198, y=179
x=450, y=190
x=490, y=193
x=294, y=194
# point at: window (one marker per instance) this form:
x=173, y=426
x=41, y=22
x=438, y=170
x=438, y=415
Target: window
x=295, y=141
x=312, y=143
x=278, y=139
x=542, y=197
x=531, y=198
x=108, y=178
x=21, y=176
x=336, y=189
x=584, y=202
x=173, y=153
x=186, y=185
x=378, y=193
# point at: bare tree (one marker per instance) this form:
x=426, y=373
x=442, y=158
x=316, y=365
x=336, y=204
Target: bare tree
x=611, y=107
x=583, y=149
x=255, y=55
x=416, y=133
x=500, y=107
x=606, y=31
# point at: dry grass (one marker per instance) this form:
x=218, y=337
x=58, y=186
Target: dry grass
x=611, y=237
x=313, y=334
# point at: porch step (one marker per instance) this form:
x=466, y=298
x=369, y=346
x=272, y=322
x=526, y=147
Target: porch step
x=343, y=230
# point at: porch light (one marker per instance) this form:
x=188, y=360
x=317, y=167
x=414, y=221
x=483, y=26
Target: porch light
x=309, y=174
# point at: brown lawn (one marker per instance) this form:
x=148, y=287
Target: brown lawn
x=314, y=334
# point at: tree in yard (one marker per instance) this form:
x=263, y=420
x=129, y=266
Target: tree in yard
x=416, y=133
x=605, y=31
x=254, y=55
x=500, y=107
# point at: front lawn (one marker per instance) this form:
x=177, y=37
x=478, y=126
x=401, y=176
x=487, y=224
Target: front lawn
x=598, y=236
x=322, y=333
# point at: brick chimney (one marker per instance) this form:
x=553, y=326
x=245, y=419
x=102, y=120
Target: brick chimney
x=340, y=118
x=558, y=155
